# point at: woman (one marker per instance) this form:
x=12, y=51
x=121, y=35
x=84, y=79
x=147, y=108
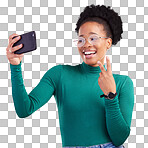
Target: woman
x=95, y=106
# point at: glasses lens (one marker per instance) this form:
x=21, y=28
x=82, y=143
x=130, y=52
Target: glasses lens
x=93, y=39
x=80, y=42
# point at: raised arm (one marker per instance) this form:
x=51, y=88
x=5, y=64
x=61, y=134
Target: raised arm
x=119, y=113
x=25, y=104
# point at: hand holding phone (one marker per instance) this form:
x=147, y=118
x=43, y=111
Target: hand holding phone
x=19, y=44
x=14, y=59
x=28, y=40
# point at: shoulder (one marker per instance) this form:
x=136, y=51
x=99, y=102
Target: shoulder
x=53, y=72
x=123, y=81
x=70, y=68
x=61, y=69
x=55, y=68
x=122, y=78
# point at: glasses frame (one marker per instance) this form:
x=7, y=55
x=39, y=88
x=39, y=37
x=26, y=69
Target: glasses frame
x=89, y=40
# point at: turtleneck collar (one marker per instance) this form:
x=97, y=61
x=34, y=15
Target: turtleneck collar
x=90, y=69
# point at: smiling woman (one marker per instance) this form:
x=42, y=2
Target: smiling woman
x=106, y=28
x=87, y=118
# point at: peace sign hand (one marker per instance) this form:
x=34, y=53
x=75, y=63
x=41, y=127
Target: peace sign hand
x=106, y=80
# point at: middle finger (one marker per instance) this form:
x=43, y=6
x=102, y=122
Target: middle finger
x=13, y=49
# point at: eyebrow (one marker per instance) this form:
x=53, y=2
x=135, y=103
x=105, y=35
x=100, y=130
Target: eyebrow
x=89, y=33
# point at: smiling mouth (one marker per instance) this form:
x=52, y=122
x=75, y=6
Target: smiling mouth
x=89, y=54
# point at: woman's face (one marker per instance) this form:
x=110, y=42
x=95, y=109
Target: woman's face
x=100, y=47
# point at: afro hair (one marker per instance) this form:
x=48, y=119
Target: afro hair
x=103, y=15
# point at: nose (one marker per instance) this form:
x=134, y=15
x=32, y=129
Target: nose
x=87, y=44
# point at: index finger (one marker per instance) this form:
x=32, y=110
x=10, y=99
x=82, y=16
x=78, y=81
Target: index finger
x=11, y=36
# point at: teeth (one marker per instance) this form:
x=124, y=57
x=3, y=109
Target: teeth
x=89, y=52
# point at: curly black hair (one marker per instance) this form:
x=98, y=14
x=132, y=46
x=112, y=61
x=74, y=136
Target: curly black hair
x=103, y=15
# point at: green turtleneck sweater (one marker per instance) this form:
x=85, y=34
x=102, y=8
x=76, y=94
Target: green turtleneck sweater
x=85, y=118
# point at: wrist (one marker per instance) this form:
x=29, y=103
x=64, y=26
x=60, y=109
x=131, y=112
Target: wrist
x=109, y=96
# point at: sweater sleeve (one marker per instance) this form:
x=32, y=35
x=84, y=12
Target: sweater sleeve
x=25, y=104
x=119, y=113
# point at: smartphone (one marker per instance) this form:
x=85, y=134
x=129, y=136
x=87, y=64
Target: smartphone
x=29, y=42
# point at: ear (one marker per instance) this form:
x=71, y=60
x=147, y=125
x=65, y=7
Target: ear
x=109, y=42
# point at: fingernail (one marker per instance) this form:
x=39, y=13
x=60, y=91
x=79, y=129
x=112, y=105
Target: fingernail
x=18, y=37
x=20, y=45
x=98, y=62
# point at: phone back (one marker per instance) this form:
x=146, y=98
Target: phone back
x=29, y=42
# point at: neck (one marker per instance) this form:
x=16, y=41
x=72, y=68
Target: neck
x=91, y=69
x=95, y=65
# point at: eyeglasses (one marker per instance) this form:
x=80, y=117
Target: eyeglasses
x=92, y=39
